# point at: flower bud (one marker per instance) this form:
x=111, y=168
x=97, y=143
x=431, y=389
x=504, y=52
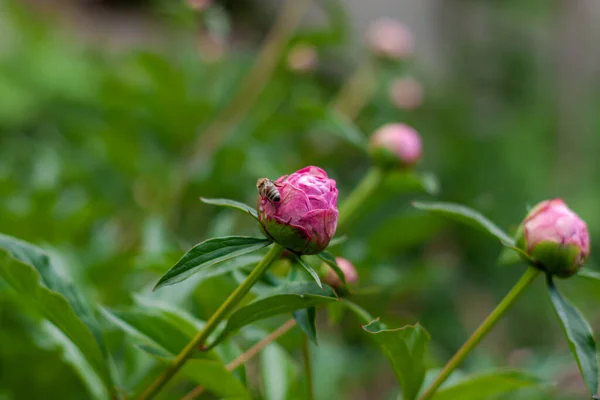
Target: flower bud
x=395, y=145
x=304, y=218
x=302, y=58
x=389, y=38
x=199, y=5
x=406, y=93
x=555, y=238
x=333, y=280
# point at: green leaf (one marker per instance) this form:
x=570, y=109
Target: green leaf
x=412, y=181
x=232, y=204
x=405, y=349
x=209, y=253
x=27, y=282
x=467, y=216
x=487, y=386
x=344, y=128
x=284, y=299
x=305, y=319
x=277, y=371
x=580, y=337
x=163, y=331
x=589, y=274
x=336, y=241
x=330, y=260
x=309, y=269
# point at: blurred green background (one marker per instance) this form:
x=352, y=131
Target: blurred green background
x=104, y=109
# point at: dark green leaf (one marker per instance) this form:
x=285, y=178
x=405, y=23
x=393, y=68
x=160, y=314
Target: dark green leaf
x=338, y=124
x=487, y=386
x=27, y=282
x=579, y=335
x=467, y=216
x=286, y=298
x=309, y=269
x=208, y=253
x=232, y=204
x=305, y=319
x=405, y=349
x=163, y=331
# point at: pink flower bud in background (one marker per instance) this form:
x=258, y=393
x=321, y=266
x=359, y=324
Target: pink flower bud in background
x=302, y=58
x=333, y=280
x=395, y=145
x=555, y=238
x=199, y=5
x=389, y=38
x=406, y=93
x=304, y=218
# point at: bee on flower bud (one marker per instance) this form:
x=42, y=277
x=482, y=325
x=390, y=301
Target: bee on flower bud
x=268, y=189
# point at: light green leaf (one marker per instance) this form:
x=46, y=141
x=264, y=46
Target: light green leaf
x=589, y=274
x=412, y=181
x=278, y=372
x=209, y=253
x=467, y=216
x=344, y=128
x=27, y=282
x=163, y=331
x=579, y=335
x=309, y=269
x=487, y=386
x=286, y=298
x=305, y=319
x=405, y=349
x=232, y=204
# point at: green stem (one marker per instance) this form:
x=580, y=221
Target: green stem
x=362, y=314
x=307, y=368
x=365, y=189
x=198, y=341
x=357, y=91
x=527, y=278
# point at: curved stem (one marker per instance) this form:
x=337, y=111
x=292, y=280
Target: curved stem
x=248, y=354
x=357, y=91
x=527, y=278
x=198, y=341
x=307, y=368
x=365, y=189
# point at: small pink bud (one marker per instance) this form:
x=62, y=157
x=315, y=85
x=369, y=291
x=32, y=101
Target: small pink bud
x=199, y=5
x=302, y=58
x=333, y=280
x=555, y=238
x=406, y=93
x=395, y=145
x=304, y=219
x=389, y=38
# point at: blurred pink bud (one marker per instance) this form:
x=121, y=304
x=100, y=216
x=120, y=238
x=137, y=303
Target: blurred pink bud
x=395, y=145
x=406, y=93
x=333, y=280
x=555, y=238
x=302, y=58
x=199, y=5
x=305, y=218
x=389, y=38
x=211, y=47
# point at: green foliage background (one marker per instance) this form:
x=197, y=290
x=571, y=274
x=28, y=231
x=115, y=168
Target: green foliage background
x=93, y=139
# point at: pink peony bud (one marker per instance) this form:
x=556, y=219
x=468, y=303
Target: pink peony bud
x=305, y=217
x=332, y=279
x=302, y=58
x=199, y=5
x=406, y=93
x=555, y=238
x=389, y=38
x=395, y=145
